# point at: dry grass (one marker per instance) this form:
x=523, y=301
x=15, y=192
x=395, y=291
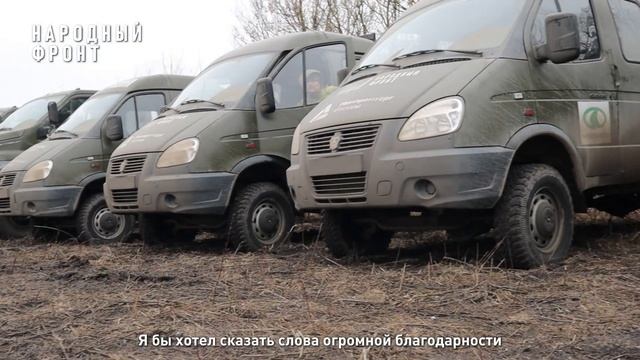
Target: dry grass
x=67, y=300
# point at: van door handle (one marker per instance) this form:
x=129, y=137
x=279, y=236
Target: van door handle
x=599, y=96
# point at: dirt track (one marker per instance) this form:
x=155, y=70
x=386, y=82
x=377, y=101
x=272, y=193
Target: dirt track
x=73, y=301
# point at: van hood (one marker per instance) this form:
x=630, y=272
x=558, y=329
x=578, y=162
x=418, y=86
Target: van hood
x=45, y=150
x=11, y=144
x=393, y=94
x=159, y=134
x=9, y=135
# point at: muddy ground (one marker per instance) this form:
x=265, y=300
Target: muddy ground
x=66, y=300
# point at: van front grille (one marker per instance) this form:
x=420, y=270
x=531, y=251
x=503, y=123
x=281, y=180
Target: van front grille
x=125, y=199
x=340, y=185
x=5, y=205
x=127, y=165
x=336, y=141
x=7, y=179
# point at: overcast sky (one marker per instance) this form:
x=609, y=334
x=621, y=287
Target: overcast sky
x=188, y=33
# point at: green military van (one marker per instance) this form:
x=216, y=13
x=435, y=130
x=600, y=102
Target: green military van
x=5, y=112
x=217, y=159
x=478, y=115
x=58, y=182
x=25, y=127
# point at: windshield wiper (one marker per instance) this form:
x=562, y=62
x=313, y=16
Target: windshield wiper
x=371, y=66
x=60, y=131
x=195, y=101
x=5, y=128
x=434, y=51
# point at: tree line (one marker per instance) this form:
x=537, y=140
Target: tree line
x=263, y=19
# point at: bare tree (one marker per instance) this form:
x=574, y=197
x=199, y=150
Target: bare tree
x=172, y=65
x=263, y=19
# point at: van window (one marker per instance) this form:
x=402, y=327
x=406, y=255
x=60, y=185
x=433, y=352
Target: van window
x=29, y=114
x=148, y=106
x=287, y=85
x=128, y=114
x=227, y=81
x=71, y=107
x=589, y=40
x=627, y=17
x=477, y=25
x=322, y=66
x=92, y=111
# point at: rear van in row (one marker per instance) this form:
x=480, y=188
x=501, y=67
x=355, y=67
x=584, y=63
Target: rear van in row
x=24, y=127
x=5, y=112
x=58, y=182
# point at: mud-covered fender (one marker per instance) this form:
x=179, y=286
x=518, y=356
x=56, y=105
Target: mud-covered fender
x=97, y=178
x=260, y=168
x=258, y=160
x=537, y=130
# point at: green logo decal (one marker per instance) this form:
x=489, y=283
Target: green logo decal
x=594, y=118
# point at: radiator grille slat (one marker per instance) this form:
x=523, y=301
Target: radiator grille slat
x=7, y=179
x=127, y=165
x=125, y=199
x=358, y=138
x=340, y=185
x=5, y=205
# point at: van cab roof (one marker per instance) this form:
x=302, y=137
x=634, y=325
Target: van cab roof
x=297, y=40
x=152, y=82
x=68, y=93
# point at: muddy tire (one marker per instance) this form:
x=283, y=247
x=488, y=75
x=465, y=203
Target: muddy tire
x=15, y=227
x=96, y=224
x=344, y=238
x=261, y=216
x=534, y=218
x=155, y=230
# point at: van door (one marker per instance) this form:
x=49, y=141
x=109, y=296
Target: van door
x=136, y=111
x=580, y=97
x=626, y=16
x=306, y=79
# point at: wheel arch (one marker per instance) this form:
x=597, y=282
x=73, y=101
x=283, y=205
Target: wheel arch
x=262, y=168
x=90, y=185
x=547, y=144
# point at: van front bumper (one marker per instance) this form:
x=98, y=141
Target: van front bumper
x=428, y=174
x=38, y=200
x=175, y=193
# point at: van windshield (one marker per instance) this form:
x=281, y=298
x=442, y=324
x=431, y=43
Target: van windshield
x=226, y=82
x=29, y=114
x=462, y=25
x=90, y=112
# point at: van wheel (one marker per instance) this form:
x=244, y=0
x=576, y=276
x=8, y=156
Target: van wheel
x=155, y=230
x=96, y=224
x=262, y=215
x=534, y=218
x=344, y=238
x=15, y=227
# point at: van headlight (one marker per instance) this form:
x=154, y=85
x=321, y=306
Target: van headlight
x=180, y=153
x=295, y=142
x=39, y=171
x=438, y=118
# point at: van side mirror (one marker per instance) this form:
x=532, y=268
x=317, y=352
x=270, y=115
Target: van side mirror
x=43, y=132
x=342, y=74
x=54, y=114
x=563, y=39
x=112, y=128
x=265, y=98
